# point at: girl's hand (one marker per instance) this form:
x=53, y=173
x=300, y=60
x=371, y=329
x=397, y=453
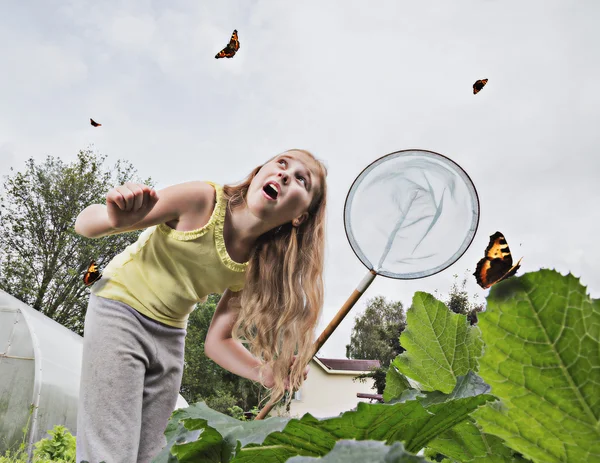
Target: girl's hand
x=129, y=203
x=267, y=376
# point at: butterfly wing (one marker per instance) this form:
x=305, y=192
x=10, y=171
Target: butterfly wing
x=224, y=53
x=92, y=275
x=512, y=271
x=482, y=273
x=497, y=264
x=478, y=85
x=232, y=47
x=234, y=42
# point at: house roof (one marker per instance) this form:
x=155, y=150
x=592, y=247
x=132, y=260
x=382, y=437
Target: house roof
x=348, y=364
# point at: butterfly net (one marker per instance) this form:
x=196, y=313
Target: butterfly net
x=411, y=214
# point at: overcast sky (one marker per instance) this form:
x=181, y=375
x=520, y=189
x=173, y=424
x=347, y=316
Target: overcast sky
x=348, y=80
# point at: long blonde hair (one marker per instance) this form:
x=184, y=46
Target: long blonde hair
x=283, y=294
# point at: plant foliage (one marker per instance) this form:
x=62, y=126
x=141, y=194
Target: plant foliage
x=542, y=359
x=536, y=349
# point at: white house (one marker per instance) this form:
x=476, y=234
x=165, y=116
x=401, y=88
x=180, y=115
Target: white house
x=330, y=390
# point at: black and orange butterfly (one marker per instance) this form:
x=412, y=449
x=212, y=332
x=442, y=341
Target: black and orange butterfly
x=232, y=47
x=497, y=265
x=479, y=85
x=94, y=123
x=92, y=275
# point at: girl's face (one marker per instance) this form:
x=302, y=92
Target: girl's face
x=283, y=189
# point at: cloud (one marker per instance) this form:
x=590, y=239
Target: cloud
x=33, y=67
x=7, y=158
x=131, y=33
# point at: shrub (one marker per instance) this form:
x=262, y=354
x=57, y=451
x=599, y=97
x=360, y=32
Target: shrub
x=59, y=449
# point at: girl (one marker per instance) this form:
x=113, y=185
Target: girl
x=265, y=236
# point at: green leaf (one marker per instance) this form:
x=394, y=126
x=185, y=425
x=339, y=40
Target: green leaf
x=350, y=451
x=211, y=448
x=408, y=422
x=395, y=384
x=465, y=442
x=200, y=432
x=469, y=385
x=542, y=359
x=276, y=439
x=440, y=345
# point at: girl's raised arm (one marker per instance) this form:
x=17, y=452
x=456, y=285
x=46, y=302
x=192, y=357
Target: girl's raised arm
x=134, y=206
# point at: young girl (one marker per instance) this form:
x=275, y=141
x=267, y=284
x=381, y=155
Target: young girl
x=265, y=236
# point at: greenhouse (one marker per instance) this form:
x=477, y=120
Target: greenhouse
x=40, y=362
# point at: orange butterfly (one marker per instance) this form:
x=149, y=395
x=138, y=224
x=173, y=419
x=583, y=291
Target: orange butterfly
x=92, y=275
x=497, y=265
x=232, y=47
x=479, y=85
x=94, y=123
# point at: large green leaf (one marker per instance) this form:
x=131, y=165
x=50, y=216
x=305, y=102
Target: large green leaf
x=407, y=422
x=198, y=431
x=542, y=359
x=440, y=345
x=469, y=385
x=201, y=434
x=466, y=443
x=366, y=451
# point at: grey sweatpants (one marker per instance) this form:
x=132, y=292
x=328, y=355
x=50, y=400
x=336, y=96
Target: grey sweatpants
x=130, y=378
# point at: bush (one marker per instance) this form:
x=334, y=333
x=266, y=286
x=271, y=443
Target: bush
x=59, y=449
x=222, y=401
x=20, y=456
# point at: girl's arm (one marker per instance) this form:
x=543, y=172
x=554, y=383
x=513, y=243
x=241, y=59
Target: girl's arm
x=220, y=346
x=135, y=206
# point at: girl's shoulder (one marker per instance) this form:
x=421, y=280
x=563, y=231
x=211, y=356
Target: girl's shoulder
x=207, y=191
x=199, y=197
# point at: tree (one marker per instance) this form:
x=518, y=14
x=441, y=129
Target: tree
x=42, y=259
x=203, y=379
x=376, y=336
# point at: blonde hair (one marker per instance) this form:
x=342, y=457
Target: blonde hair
x=283, y=294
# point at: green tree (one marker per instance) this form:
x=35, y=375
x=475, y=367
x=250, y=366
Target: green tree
x=376, y=336
x=42, y=259
x=203, y=379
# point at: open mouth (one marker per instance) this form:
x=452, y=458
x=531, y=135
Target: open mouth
x=271, y=190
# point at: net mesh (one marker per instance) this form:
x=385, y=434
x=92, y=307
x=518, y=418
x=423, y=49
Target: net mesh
x=411, y=214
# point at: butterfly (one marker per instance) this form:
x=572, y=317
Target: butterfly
x=497, y=265
x=94, y=123
x=92, y=275
x=232, y=47
x=479, y=85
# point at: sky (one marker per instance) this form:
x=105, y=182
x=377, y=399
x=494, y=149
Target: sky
x=348, y=80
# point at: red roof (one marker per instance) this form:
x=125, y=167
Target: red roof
x=349, y=364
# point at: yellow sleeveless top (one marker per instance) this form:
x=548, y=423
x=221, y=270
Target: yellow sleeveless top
x=166, y=272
